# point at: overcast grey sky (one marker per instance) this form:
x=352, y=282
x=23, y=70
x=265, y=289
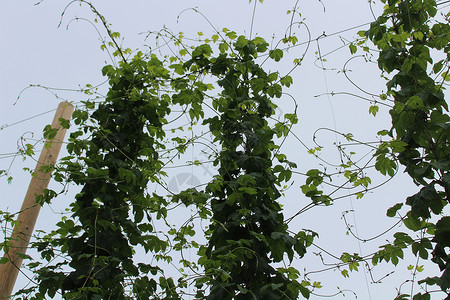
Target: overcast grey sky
x=36, y=51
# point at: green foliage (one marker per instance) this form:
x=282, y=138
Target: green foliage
x=115, y=153
x=406, y=35
x=119, y=159
x=247, y=232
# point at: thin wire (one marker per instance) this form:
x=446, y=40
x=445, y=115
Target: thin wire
x=253, y=19
x=191, y=209
x=327, y=91
x=359, y=247
x=26, y=119
x=371, y=10
x=299, y=44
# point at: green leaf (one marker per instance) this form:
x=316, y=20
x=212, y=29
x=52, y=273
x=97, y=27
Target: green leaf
x=420, y=296
x=276, y=54
x=49, y=132
x=231, y=35
x=241, y=42
x=223, y=47
x=202, y=50
x=415, y=102
x=421, y=248
x=413, y=223
x=3, y=260
x=178, y=68
x=272, y=77
x=64, y=123
x=391, y=212
x=286, y=81
x=304, y=291
x=437, y=67
x=442, y=232
x=373, y=110
x=385, y=165
x=345, y=273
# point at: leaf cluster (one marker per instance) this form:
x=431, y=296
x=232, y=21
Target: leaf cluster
x=407, y=34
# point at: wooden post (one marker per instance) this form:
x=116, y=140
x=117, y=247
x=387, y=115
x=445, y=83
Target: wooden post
x=30, y=209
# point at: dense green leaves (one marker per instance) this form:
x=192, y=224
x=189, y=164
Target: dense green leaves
x=112, y=210
x=419, y=119
x=247, y=229
x=116, y=152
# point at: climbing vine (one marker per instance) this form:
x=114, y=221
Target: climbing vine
x=112, y=213
x=121, y=146
x=408, y=34
x=247, y=232
x=115, y=154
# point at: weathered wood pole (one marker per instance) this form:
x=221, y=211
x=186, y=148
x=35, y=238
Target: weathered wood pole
x=30, y=209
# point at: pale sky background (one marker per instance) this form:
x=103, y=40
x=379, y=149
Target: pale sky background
x=35, y=51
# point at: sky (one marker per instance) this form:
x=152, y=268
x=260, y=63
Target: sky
x=41, y=47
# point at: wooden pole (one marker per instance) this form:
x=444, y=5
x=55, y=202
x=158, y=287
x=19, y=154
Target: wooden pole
x=30, y=209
